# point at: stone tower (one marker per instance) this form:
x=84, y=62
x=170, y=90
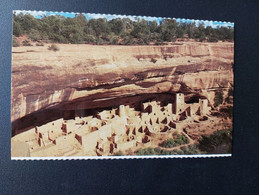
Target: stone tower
x=170, y=108
x=204, y=109
x=179, y=103
x=122, y=111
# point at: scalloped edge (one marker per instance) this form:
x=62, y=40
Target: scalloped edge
x=123, y=15
x=122, y=157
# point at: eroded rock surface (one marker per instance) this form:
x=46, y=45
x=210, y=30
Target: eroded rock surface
x=88, y=77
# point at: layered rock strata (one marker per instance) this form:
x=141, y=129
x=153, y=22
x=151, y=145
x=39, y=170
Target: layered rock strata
x=89, y=77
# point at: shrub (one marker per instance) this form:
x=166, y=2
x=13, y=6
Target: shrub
x=26, y=43
x=143, y=39
x=218, y=142
x=39, y=44
x=213, y=39
x=17, y=28
x=99, y=41
x=59, y=38
x=191, y=149
x=168, y=143
x=158, y=150
x=202, y=37
x=34, y=35
x=167, y=152
x=230, y=91
x=89, y=38
x=218, y=98
x=114, y=40
x=177, y=152
x=118, y=154
x=179, y=140
x=128, y=40
x=146, y=151
x=159, y=42
x=230, y=111
x=15, y=43
x=230, y=94
x=77, y=38
x=226, y=111
x=53, y=47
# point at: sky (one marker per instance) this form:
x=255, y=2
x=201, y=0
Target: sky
x=40, y=14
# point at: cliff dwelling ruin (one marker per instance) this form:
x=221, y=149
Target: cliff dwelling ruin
x=125, y=129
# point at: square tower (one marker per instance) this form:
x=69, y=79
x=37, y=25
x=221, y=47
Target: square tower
x=204, y=109
x=122, y=111
x=179, y=103
x=170, y=108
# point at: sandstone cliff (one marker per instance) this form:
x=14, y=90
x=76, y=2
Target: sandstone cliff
x=87, y=76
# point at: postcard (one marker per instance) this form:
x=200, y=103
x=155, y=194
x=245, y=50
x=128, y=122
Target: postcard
x=101, y=86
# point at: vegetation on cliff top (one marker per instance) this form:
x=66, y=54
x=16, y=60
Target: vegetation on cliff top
x=124, y=31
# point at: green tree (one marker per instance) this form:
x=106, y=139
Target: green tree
x=29, y=23
x=116, y=26
x=114, y=40
x=128, y=39
x=191, y=28
x=34, y=35
x=168, y=27
x=89, y=38
x=152, y=26
x=15, y=43
x=200, y=32
x=141, y=32
x=52, y=28
x=127, y=25
x=81, y=20
x=218, y=97
x=17, y=29
x=98, y=27
x=72, y=31
x=57, y=28
x=179, y=32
